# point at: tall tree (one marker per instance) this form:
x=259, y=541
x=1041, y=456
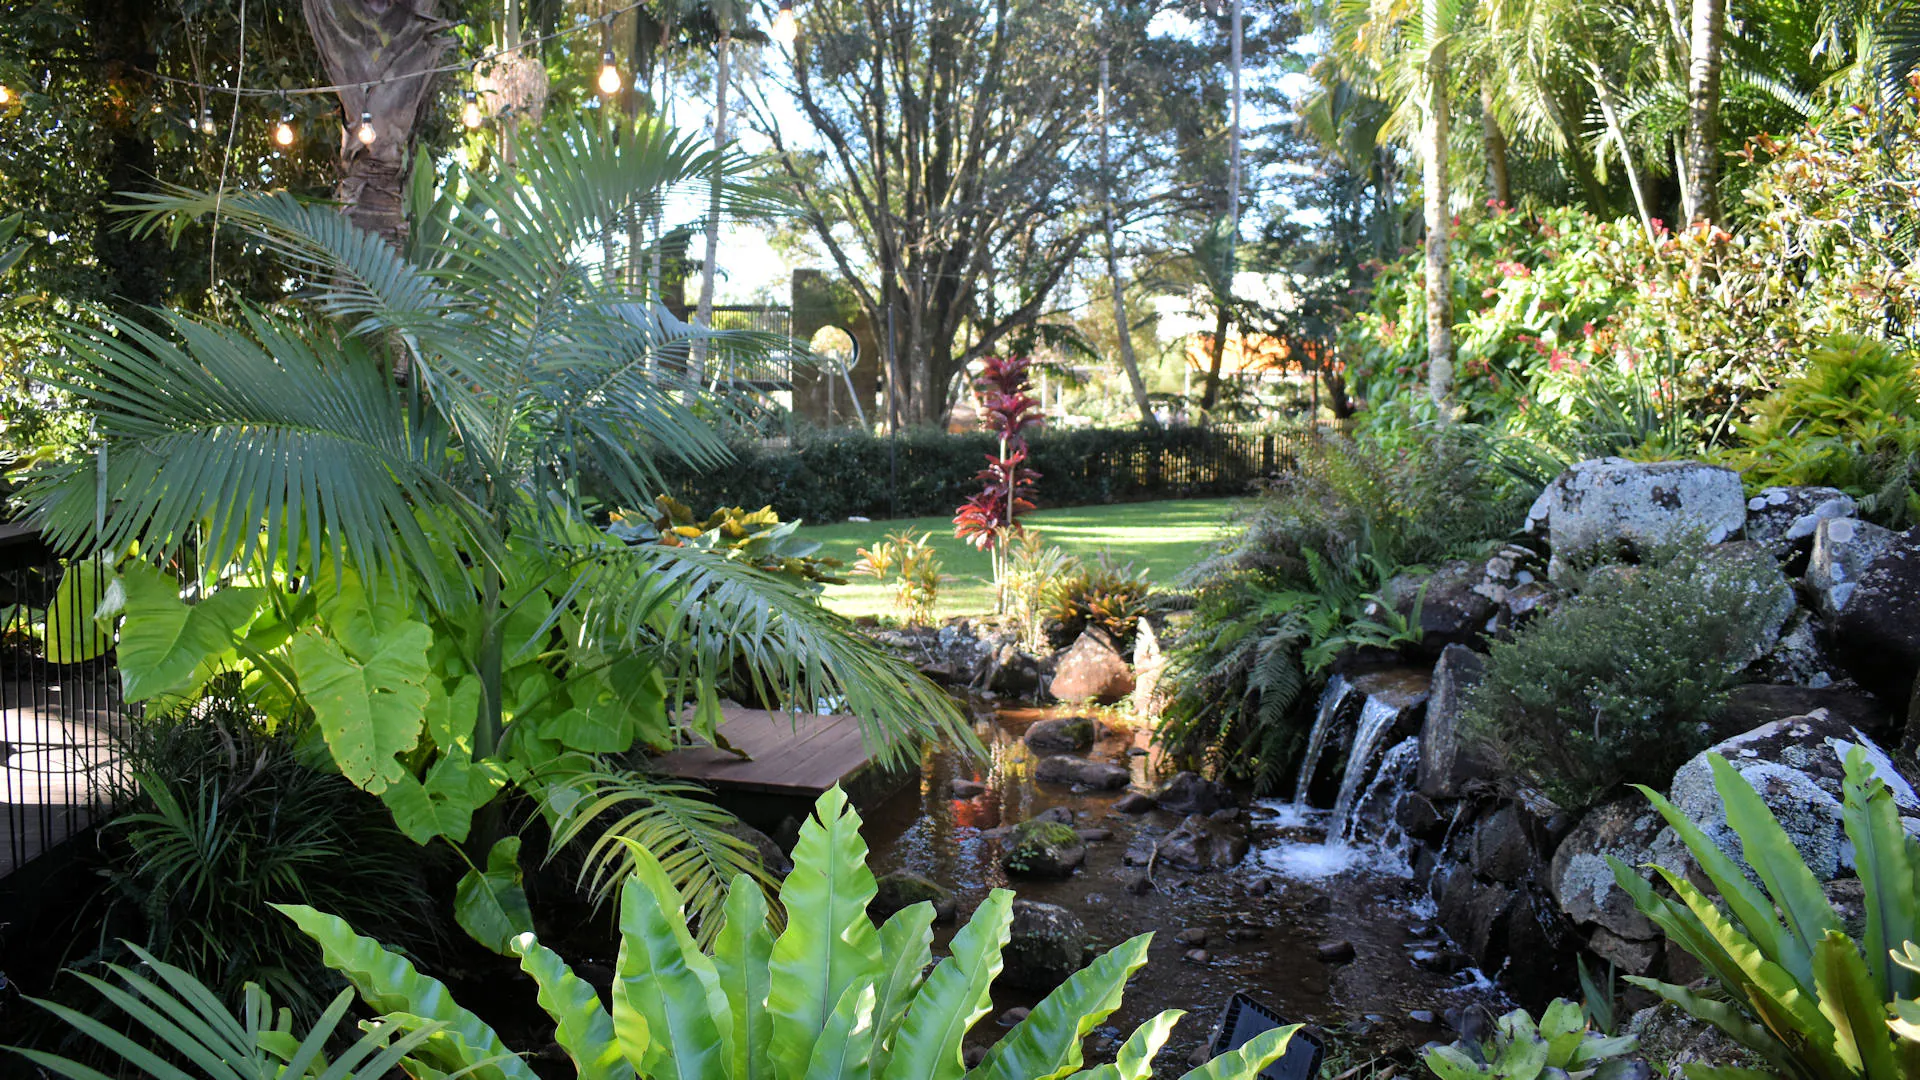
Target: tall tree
x=709, y=265
x=382, y=54
x=1122, y=327
x=1702, y=192
x=1433, y=150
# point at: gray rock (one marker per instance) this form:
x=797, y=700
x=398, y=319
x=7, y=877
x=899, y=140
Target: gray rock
x=1192, y=936
x=1046, y=945
x=966, y=789
x=1798, y=657
x=1094, y=836
x=1133, y=802
x=1043, y=849
x=1784, y=519
x=1092, y=669
x=1196, y=956
x=1501, y=849
x=1446, y=766
x=1776, y=600
x=1632, y=956
x=1060, y=735
x=1669, y=1035
x=1866, y=580
x=1609, y=507
x=1200, y=845
x=1067, y=769
x=1454, y=602
x=1059, y=814
x=1336, y=952
x=900, y=889
x=1190, y=793
x=771, y=857
x=1014, y=1015
x=1581, y=881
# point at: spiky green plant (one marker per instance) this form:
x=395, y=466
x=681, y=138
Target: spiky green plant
x=1561, y=1044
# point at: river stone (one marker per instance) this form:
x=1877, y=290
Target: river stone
x=1447, y=767
x=1043, y=849
x=1067, y=769
x=1133, y=802
x=1060, y=734
x=1046, y=945
x=900, y=889
x=1454, y=606
x=1501, y=849
x=771, y=857
x=1092, y=669
x=966, y=789
x=1612, y=507
x=1059, y=814
x=1583, y=883
x=1784, y=519
x=1191, y=793
x=1200, y=845
x=1867, y=583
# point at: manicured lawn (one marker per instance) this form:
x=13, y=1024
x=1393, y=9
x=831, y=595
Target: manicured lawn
x=1162, y=538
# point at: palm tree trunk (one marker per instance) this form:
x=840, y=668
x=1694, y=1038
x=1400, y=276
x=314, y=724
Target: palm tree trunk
x=1121, y=326
x=1439, y=269
x=1701, y=193
x=1499, y=186
x=1211, y=395
x=1612, y=115
x=369, y=46
x=720, y=79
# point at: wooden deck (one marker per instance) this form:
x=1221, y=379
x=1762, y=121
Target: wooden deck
x=797, y=757
x=56, y=772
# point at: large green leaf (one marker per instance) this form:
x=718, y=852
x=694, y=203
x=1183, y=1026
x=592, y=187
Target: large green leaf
x=1135, y=1059
x=906, y=948
x=444, y=804
x=581, y=1025
x=491, y=905
x=370, y=702
x=665, y=979
x=1047, y=1043
x=740, y=954
x=829, y=941
x=956, y=995
x=1768, y=849
x=846, y=1043
x=1851, y=1002
x=1883, y=855
x=1728, y=1018
x=389, y=983
x=1246, y=1062
x=165, y=643
x=74, y=636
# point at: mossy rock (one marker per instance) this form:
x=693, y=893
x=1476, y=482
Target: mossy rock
x=1061, y=734
x=1043, y=849
x=901, y=889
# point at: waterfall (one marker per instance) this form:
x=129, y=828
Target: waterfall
x=1377, y=718
x=1328, y=714
x=1391, y=781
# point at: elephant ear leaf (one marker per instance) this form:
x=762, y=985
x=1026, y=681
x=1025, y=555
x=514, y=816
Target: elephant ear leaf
x=166, y=643
x=491, y=905
x=581, y=1026
x=953, y=997
x=1246, y=1062
x=829, y=941
x=369, y=703
x=389, y=984
x=1048, y=1041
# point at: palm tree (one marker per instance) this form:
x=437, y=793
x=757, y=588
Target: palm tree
x=1702, y=192
x=285, y=449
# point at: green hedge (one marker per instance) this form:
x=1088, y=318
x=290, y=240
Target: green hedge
x=831, y=476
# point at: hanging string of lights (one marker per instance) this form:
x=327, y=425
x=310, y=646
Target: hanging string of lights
x=284, y=134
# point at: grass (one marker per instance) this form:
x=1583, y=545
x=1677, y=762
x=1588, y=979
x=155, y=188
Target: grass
x=1161, y=538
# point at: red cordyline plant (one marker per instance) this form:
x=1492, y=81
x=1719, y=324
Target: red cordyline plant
x=990, y=518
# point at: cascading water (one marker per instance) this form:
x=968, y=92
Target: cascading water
x=1377, y=718
x=1331, y=711
x=1391, y=781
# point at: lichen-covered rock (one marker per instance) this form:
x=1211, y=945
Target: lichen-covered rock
x=1045, y=946
x=1446, y=766
x=1744, y=561
x=1866, y=580
x=1784, y=519
x=1191, y=793
x=1060, y=734
x=1452, y=603
x=1501, y=849
x=901, y=889
x=1581, y=881
x=1611, y=506
x=1043, y=849
x=1068, y=769
x=1798, y=658
x=1669, y=1035
x=1092, y=669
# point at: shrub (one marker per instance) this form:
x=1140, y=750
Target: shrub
x=1621, y=681
x=1102, y=594
x=913, y=566
x=1518, y=1049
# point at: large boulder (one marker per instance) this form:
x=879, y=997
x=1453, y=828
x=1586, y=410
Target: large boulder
x=1501, y=849
x=1447, y=766
x=1045, y=946
x=1092, y=669
x=1611, y=507
x=1583, y=885
x=1043, y=849
x=1784, y=519
x=1080, y=772
x=1201, y=844
x=1454, y=602
x=1866, y=581
x=901, y=889
x=1191, y=793
x=1060, y=735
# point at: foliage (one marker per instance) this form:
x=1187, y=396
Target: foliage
x=229, y=820
x=913, y=564
x=1518, y=1049
x=1281, y=600
x=991, y=516
x=1792, y=986
x=829, y=476
x=1035, y=569
x=759, y=539
x=1850, y=420
x=1099, y=593
x=831, y=996
x=1620, y=683
x=183, y=1015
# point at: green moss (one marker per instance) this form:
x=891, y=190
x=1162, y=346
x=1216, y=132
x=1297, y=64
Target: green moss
x=1045, y=833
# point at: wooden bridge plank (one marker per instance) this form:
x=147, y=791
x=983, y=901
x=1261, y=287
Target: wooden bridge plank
x=794, y=756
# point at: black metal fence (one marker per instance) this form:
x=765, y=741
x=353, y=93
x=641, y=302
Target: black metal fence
x=59, y=700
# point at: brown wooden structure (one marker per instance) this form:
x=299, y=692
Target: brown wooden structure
x=790, y=757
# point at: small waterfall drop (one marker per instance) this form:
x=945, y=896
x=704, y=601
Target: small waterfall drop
x=1377, y=718
x=1391, y=782
x=1327, y=716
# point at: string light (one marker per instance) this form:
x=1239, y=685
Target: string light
x=366, y=134
x=609, y=74
x=206, y=121
x=283, y=132
x=470, y=112
x=785, y=26
x=6, y=96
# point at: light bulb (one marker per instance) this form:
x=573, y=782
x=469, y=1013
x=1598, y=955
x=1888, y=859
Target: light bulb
x=6, y=96
x=206, y=122
x=609, y=75
x=785, y=26
x=470, y=112
x=283, y=132
x=366, y=134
